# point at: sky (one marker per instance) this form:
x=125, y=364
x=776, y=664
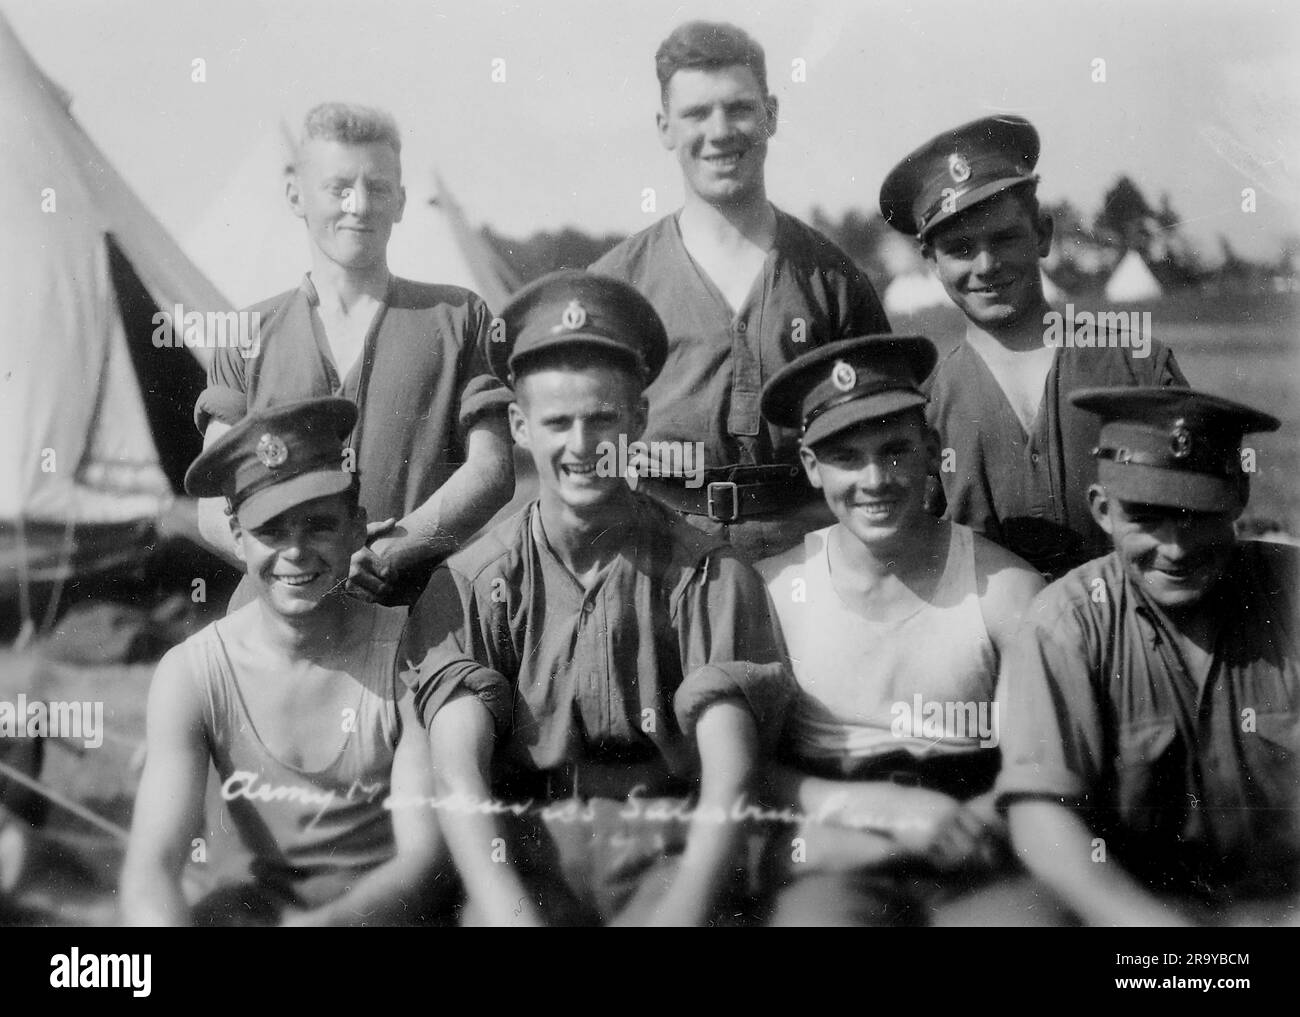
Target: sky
x=1200, y=99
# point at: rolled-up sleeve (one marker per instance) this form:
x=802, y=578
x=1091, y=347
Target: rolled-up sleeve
x=481, y=392
x=446, y=654
x=730, y=647
x=483, y=396
x=226, y=396
x=766, y=689
x=1050, y=728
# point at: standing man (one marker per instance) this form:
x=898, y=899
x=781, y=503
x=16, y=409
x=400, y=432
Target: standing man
x=1018, y=455
x=742, y=288
x=1151, y=728
x=895, y=623
x=601, y=668
x=430, y=444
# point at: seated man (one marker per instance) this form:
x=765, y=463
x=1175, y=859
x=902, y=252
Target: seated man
x=594, y=658
x=895, y=622
x=1152, y=703
x=296, y=701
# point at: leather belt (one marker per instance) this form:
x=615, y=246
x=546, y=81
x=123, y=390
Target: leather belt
x=732, y=493
x=589, y=779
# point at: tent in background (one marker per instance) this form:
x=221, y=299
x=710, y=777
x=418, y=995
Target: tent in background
x=97, y=421
x=1132, y=281
x=254, y=247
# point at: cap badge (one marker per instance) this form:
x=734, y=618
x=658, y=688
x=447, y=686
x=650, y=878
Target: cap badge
x=843, y=377
x=958, y=168
x=1180, y=441
x=272, y=451
x=574, y=316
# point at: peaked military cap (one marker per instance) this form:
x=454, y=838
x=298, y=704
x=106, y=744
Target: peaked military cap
x=957, y=169
x=1172, y=446
x=576, y=308
x=836, y=386
x=277, y=458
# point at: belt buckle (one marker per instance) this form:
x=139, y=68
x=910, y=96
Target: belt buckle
x=716, y=490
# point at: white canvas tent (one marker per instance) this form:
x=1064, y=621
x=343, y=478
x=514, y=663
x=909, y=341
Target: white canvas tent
x=95, y=419
x=252, y=245
x=1132, y=281
x=912, y=292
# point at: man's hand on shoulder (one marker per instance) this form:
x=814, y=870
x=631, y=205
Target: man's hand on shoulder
x=377, y=568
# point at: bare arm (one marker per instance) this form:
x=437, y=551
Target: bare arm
x=169, y=802
x=449, y=518
x=728, y=740
x=1058, y=847
x=462, y=738
x=401, y=889
x=214, y=523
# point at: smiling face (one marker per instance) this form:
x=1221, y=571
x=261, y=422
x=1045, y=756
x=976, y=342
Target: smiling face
x=987, y=259
x=874, y=475
x=565, y=417
x=301, y=557
x=1174, y=555
x=350, y=196
x=717, y=122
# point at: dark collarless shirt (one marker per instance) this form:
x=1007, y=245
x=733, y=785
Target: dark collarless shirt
x=809, y=293
x=421, y=379
x=1029, y=492
x=1194, y=789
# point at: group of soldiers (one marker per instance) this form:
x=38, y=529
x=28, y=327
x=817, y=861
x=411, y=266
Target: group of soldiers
x=823, y=682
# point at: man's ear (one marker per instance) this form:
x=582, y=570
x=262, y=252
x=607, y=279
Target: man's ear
x=1046, y=227
x=661, y=125
x=293, y=195
x=401, y=203
x=518, y=425
x=640, y=417
x=773, y=107
x=237, y=531
x=1100, y=504
x=809, y=459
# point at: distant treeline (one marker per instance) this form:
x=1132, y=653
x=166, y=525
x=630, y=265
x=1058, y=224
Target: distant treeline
x=1084, y=250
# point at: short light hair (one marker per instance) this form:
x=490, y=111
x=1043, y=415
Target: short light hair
x=708, y=46
x=350, y=124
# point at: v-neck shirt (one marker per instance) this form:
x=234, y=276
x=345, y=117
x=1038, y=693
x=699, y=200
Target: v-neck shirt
x=807, y=293
x=1029, y=491
x=420, y=381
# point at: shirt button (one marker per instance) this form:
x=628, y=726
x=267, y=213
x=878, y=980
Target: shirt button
x=1034, y=458
x=741, y=328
